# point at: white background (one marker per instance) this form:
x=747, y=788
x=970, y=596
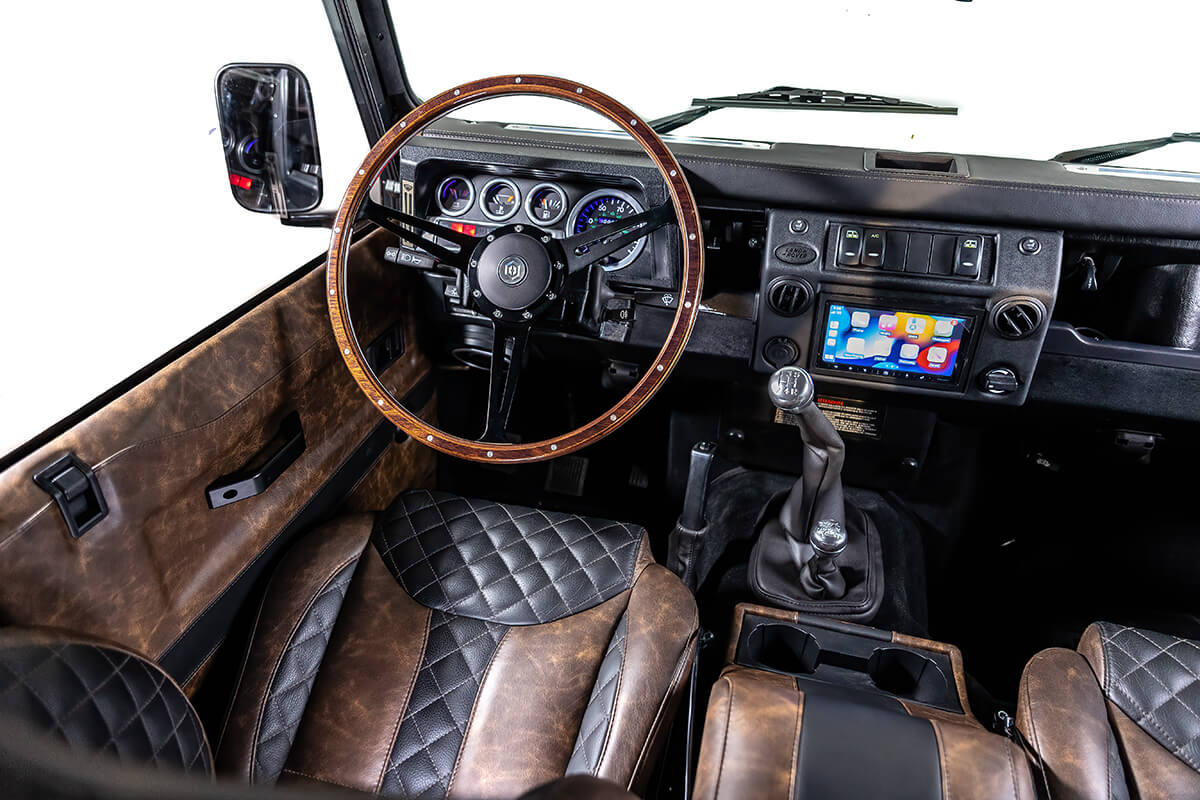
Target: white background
x=122, y=237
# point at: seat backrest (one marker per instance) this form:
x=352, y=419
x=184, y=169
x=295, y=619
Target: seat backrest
x=100, y=698
x=1119, y=717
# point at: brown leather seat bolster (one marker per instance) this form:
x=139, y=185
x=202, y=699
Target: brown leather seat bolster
x=306, y=570
x=661, y=622
x=1153, y=772
x=1061, y=711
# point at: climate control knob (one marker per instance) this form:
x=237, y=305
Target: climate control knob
x=999, y=381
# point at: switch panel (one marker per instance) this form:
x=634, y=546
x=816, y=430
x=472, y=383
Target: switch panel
x=958, y=256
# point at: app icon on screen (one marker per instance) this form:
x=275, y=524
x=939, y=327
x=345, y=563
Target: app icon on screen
x=937, y=355
x=831, y=342
x=860, y=319
x=909, y=351
x=943, y=327
x=915, y=326
x=856, y=345
x=881, y=346
x=834, y=324
x=887, y=322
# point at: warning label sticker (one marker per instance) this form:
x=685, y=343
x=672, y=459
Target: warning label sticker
x=850, y=417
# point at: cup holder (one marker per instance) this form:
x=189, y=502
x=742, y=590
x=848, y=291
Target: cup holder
x=907, y=674
x=783, y=648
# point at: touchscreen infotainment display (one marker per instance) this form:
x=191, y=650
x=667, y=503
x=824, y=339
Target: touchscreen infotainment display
x=901, y=345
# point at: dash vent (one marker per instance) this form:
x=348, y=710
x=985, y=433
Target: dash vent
x=1017, y=319
x=788, y=297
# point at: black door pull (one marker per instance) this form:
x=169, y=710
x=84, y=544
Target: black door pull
x=261, y=470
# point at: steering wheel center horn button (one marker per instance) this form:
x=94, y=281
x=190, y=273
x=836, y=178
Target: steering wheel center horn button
x=514, y=271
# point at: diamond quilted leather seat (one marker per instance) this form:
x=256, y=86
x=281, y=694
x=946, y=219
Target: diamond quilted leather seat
x=1118, y=717
x=448, y=647
x=464, y=648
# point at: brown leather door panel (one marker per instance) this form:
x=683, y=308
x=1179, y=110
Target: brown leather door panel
x=150, y=569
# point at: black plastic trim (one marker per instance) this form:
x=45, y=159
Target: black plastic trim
x=91, y=506
x=1064, y=339
x=263, y=468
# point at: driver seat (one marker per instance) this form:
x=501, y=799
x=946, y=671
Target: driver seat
x=455, y=647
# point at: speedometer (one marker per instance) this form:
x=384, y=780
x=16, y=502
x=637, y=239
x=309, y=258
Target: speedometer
x=600, y=208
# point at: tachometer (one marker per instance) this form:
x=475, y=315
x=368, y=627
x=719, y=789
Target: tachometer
x=546, y=204
x=455, y=195
x=500, y=199
x=600, y=208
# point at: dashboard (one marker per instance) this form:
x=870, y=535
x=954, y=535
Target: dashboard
x=969, y=283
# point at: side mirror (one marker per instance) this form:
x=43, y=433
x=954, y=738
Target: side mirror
x=270, y=136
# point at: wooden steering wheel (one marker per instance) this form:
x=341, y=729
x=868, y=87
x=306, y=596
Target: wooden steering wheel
x=515, y=273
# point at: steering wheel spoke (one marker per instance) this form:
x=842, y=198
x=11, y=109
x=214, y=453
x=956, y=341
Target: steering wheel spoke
x=508, y=355
x=406, y=226
x=588, y=247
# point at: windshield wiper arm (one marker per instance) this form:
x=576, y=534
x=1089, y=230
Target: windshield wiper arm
x=792, y=98
x=1111, y=152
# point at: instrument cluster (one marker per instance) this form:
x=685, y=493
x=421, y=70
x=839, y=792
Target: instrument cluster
x=477, y=204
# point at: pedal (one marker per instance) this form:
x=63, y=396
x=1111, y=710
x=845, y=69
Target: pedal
x=567, y=475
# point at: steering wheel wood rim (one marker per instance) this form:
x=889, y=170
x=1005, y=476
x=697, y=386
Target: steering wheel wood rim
x=688, y=306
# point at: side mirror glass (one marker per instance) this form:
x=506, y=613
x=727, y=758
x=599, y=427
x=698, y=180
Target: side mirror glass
x=270, y=136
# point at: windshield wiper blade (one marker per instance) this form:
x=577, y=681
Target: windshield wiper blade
x=1111, y=152
x=792, y=98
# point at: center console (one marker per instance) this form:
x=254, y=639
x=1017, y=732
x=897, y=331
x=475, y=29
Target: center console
x=908, y=306
x=816, y=708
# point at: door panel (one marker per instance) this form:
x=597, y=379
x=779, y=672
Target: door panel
x=150, y=569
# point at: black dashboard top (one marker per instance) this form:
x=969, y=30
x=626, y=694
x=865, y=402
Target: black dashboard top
x=1003, y=191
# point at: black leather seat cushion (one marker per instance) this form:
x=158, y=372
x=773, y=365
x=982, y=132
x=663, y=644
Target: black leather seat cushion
x=506, y=564
x=100, y=699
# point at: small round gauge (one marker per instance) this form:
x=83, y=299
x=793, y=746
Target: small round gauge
x=455, y=195
x=501, y=199
x=250, y=154
x=546, y=204
x=600, y=208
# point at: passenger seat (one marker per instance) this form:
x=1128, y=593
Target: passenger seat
x=1117, y=717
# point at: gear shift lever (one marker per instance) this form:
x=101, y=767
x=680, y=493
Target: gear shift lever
x=795, y=561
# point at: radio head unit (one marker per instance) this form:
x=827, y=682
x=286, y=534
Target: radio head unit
x=893, y=344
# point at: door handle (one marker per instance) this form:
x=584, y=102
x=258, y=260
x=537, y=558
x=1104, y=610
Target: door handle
x=263, y=468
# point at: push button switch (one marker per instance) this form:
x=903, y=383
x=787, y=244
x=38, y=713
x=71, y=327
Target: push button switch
x=967, y=256
x=873, y=248
x=850, y=246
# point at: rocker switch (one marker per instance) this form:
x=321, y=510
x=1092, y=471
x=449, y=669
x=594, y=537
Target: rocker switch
x=967, y=256
x=849, y=246
x=873, y=248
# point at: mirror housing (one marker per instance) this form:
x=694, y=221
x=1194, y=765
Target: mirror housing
x=269, y=133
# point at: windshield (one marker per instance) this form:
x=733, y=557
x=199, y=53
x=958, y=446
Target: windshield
x=1030, y=78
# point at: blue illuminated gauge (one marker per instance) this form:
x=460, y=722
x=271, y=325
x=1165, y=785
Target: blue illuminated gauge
x=455, y=195
x=500, y=199
x=600, y=208
x=546, y=204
